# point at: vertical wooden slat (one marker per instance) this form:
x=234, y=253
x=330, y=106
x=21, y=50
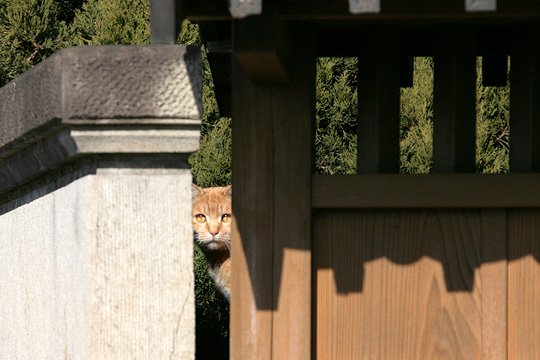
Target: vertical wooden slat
x=379, y=67
x=271, y=301
x=407, y=71
x=292, y=112
x=494, y=70
x=493, y=283
x=454, y=128
x=525, y=103
x=252, y=245
x=524, y=284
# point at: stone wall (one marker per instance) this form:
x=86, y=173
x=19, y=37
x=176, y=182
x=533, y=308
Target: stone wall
x=95, y=225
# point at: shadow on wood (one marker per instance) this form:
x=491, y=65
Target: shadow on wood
x=460, y=242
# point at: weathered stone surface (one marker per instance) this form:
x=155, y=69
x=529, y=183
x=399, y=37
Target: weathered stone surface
x=99, y=268
x=104, y=100
x=140, y=84
x=111, y=82
x=95, y=205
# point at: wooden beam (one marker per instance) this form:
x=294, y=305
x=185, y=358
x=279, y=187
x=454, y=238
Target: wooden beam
x=407, y=71
x=293, y=117
x=252, y=241
x=271, y=252
x=525, y=103
x=379, y=65
x=260, y=44
x=384, y=10
x=454, y=102
x=217, y=39
x=426, y=191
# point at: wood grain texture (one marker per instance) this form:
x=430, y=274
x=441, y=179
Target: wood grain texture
x=408, y=284
x=426, y=191
x=524, y=284
x=493, y=285
x=293, y=113
x=252, y=241
x=272, y=244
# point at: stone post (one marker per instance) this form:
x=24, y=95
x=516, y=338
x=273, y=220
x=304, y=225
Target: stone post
x=95, y=205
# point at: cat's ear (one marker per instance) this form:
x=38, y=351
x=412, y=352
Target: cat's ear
x=195, y=191
x=228, y=190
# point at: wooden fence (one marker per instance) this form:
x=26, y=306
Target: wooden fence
x=380, y=265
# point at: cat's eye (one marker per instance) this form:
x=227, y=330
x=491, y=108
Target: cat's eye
x=226, y=218
x=200, y=218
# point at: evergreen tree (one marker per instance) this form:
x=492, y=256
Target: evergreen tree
x=30, y=30
x=118, y=22
x=335, y=115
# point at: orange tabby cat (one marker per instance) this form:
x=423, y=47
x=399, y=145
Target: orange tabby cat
x=212, y=232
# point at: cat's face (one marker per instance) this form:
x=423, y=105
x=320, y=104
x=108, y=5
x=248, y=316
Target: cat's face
x=212, y=217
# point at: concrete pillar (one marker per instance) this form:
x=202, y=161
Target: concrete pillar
x=95, y=205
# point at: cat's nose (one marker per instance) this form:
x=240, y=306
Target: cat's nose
x=214, y=233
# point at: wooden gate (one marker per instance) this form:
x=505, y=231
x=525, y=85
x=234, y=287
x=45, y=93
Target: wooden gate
x=376, y=265
x=380, y=265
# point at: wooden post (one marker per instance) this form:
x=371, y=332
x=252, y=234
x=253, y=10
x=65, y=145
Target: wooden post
x=252, y=244
x=271, y=252
x=494, y=70
x=525, y=104
x=454, y=128
x=379, y=81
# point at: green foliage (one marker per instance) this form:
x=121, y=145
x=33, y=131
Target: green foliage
x=30, y=30
x=416, y=122
x=67, y=9
x=335, y=116
x=119, y=22
x=211, y=165
x=492, y=127
x=492, y=123
x=212, y=314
